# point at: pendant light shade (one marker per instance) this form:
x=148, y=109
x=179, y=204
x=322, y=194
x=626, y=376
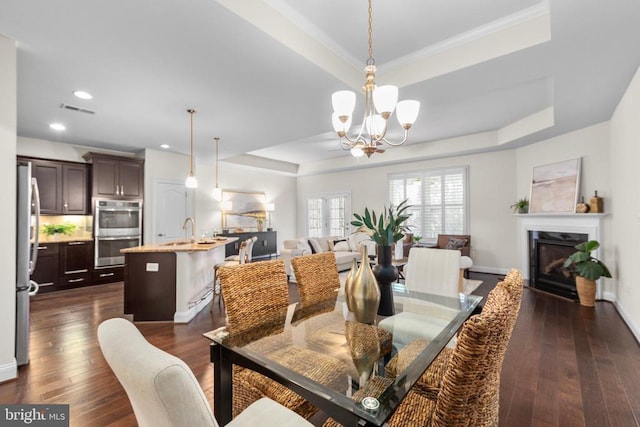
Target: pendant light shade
x=192, y=181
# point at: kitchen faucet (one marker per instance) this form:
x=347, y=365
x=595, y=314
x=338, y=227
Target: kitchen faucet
x=193, y=228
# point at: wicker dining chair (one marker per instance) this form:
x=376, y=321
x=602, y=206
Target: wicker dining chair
x=430, y=382
x=252, y=293
x=466, y=396
x=317, y=277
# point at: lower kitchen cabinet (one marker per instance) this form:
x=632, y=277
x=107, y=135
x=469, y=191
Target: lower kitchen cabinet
x=46, y=272
x=107, y=275
x=76, y=262
x=65, y=265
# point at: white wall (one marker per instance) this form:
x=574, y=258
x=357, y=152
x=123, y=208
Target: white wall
x=8, y=88
x=625, y=202
x=592, y=145
x=492, y=190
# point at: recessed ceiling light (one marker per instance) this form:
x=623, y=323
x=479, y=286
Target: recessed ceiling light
x=82, y=94
x=57, y=126
x=165, y=146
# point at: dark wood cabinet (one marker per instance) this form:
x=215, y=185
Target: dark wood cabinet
x=116, y=177
x=63, y=186
x=75, y=189
x=107, y=275
x=76, y=263
x=48, y=174
x=265, y=247
x=46, y=272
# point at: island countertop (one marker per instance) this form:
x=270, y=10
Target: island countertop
x=201, y=245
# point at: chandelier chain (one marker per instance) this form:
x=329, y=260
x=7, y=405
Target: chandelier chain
x=370, y=61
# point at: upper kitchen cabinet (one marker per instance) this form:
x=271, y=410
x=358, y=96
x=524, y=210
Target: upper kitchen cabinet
x=116, y=177
x=63, y=186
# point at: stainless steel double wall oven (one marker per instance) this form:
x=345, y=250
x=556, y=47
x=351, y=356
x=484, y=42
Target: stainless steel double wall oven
x=117, y=225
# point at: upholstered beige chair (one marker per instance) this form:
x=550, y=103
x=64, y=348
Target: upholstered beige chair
x=433, y=271
x=162, y=389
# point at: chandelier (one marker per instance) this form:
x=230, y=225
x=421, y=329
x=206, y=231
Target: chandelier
x=379, y=103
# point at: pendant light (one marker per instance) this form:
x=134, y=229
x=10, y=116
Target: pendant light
x=217, y=192
x=191, y=181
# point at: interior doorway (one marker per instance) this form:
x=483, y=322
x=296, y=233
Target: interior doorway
x=170, y=208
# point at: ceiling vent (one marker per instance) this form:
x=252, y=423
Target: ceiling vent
x=78, y=109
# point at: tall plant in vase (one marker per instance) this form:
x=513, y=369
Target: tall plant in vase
x=588, y=269
x=384, y=229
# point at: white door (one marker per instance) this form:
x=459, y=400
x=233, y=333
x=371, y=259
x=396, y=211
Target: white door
x=328, y=214
x=169, y=210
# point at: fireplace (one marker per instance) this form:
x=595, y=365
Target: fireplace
x=547, y=253
x=556, y=225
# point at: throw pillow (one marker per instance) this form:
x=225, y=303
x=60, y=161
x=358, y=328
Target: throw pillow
x=315, y=246
x=331, y=243
x=341, y=246
x=356, y=239
x=303, y=245
x=454, y=243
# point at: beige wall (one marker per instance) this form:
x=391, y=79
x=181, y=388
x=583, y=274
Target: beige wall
x=8, y=122
x=625, y=202
x=492, y=191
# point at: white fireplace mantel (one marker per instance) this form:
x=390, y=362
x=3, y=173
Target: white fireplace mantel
x=590, y=224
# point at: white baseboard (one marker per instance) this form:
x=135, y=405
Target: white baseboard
x=186, y=316
x=632, y=326
x=9, y=371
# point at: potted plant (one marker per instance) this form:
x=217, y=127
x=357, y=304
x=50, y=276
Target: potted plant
x=385, y=229
x=56, y=229
x=588, y=269
x=521, y=206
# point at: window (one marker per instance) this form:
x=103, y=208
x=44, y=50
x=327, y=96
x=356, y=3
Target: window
x=328, y=214
x=439, y=199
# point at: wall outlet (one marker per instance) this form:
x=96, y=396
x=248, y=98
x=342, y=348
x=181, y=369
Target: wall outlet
x=153, y=266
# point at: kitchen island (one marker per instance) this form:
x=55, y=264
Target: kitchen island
x=170, y=281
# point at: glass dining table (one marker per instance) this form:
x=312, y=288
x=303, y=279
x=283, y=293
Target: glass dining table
x=359, y=388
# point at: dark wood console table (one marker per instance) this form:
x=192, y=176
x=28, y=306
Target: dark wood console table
x=265, y=247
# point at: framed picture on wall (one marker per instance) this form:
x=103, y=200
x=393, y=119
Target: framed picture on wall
x=554, y=187
x=247, y=210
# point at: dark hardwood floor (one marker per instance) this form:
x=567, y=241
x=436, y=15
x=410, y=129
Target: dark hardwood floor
x=566, y=365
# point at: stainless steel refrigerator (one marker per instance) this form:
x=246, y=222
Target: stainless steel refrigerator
x=28, y=224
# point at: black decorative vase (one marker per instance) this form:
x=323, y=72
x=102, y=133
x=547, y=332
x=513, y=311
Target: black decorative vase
x=386, y=273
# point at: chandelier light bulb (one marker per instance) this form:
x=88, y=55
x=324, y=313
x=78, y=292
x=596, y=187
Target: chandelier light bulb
x=385, y=99
x=338, y=126
x=357, y=151
x=375, y=125
x=344, y=101
x=407, y=112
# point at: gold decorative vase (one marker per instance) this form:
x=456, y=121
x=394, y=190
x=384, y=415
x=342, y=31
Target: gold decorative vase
x=365, y=294
x=364, y=346
x=348, y=284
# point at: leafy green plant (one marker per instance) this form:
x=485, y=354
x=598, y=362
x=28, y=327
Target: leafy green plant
x=50, y=229
x=386, y=228
x=584, y=264
x=417, y=238
x=521, y=206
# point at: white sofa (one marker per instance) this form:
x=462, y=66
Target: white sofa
x=345, y=249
